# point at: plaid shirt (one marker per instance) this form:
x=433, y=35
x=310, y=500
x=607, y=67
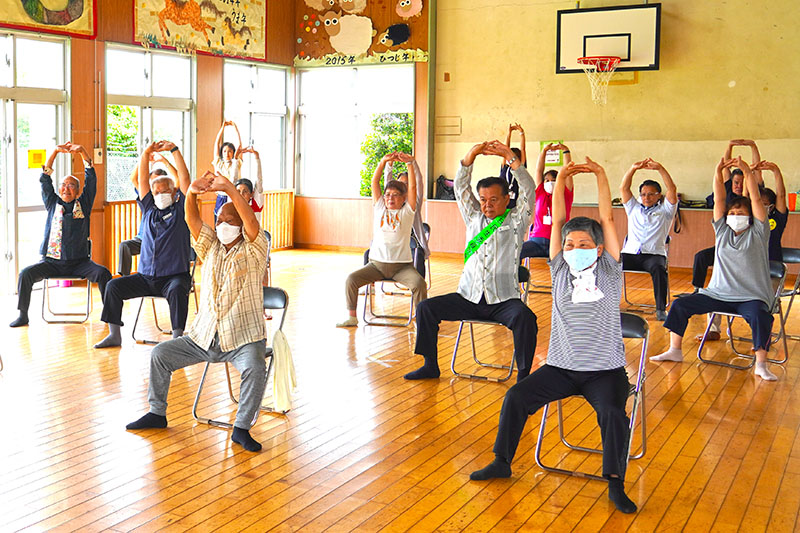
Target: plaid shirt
x=231, y=298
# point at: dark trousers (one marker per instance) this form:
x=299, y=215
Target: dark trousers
x=755, y=312
x=656, y=266
x=174, y=288
x=513, y=314
x=702, y=260
x=126, y=251
x=53, y=268
x=606, y=391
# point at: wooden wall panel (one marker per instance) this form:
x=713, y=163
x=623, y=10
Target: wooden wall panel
x=333, y=222
x=448, y=233
x=421, y=121
x=115, y=21
x=280, y=31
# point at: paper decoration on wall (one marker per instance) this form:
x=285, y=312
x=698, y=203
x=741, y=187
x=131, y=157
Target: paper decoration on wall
x=222, y=27
x=36, y=158
x=69, y=17
x=352, y=32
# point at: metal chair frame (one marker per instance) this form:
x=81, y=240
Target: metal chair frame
x=274, y=299
x=537, y=288
x=524, y=279
x=83, y=316
x=633, y=327
x=791, y=256
x=192, y=290
x=369, y=309
x=639, y=307
x=778, y=276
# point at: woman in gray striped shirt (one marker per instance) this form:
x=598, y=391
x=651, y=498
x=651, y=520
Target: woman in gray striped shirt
x=586, y=354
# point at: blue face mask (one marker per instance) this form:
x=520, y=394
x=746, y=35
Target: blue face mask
x=580, y=258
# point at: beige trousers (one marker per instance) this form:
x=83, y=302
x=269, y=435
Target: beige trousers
x=403, y=273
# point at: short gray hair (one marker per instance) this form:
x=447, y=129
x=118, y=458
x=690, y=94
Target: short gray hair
x=589, y=225
x=165, y=179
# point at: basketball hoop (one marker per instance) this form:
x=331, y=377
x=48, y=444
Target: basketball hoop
x=599, y=70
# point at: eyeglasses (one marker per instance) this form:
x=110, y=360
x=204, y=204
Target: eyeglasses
x=392, y=195
x=648, y=194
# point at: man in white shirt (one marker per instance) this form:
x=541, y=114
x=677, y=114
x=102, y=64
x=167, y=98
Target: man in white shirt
x=649, y=222
x=489, y=286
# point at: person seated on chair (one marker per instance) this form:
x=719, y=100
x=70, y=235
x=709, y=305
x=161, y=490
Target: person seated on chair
x=489, y=286
x=505, y=170
x=586, y=355
x=418, y=236
x=127, y=249
x=538, y=243
x=776, y=204
x=166, y=253
x=389, y=254
x=734, y=188
x=649, y=222
x=226, y=162
x=740, y=282
x=229, y=327
x=253, y=193
x=65, y=248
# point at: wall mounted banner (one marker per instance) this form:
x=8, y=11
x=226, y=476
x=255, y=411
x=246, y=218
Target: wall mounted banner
x=233, y=28
x=357, y=32
x=68, y=17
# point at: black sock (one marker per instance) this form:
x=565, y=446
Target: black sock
x=616, y=493
x=22, y=320
x=499, y=468
x=429, y=370
x=242, y=436
x=149, y=420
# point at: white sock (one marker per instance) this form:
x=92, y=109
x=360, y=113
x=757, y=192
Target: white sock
x=762, y=371
x=673, y=354
x=349, y=322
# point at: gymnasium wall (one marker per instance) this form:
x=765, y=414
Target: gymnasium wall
x=727, y=71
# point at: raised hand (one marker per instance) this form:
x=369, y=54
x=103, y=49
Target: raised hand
x=639, y=165
x=202, y=184
x=403, y=157
x=163, y=146
x=651, y=164
x=474, y=152
x=220, y=183
x=765, y=165
x=593, y=166
x=498, y=148
x=572, y=168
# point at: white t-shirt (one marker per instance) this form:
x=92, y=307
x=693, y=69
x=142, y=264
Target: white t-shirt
x=391, y=234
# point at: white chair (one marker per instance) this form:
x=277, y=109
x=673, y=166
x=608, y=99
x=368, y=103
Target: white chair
x=633, y=327
x=53, y=315
x=274, y=299
x=524, y=279
x=777, y=272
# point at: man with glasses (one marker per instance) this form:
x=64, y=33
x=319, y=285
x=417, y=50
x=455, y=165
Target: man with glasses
x=389, y=255
x=649, y=222
x=65, y=249
x=489, y=286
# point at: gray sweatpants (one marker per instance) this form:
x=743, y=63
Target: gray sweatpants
x=403, y=273
x=171, y=355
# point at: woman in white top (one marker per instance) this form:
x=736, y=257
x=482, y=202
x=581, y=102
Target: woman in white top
x=226, y=163
x=389, y=255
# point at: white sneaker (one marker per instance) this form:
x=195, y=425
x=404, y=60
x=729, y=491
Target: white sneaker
x=351, y=322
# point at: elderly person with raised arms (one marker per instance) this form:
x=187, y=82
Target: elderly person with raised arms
x=229, y=327
x=586, y=355
x=65, y=249
x=740, y=282
x=489, y=286
x=165, y=254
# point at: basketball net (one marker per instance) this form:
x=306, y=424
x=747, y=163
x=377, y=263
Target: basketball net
x=599, y=70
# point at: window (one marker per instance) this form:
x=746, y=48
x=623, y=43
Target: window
x=255, y=99
x=148, y=98
x=336, y=110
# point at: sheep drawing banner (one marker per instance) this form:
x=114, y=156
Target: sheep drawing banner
x=222, y=27
x=353, y=32
x=69, y=17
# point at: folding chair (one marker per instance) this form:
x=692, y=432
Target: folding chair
x=83, y=316
x=269, y=257
x=524, y=279
x=777, y=272
x=640, y=307
x=369, y=308
x=192, y=290
x=633, y=327
x=536, y=287
x=791, y=256
x=274, y=299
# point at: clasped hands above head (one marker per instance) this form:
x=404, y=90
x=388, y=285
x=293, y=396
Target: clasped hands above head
x=211, y=182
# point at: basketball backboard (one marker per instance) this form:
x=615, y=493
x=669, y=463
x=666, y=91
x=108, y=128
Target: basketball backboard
x=629, y=32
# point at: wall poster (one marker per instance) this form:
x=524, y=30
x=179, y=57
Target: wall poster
x=69, y=17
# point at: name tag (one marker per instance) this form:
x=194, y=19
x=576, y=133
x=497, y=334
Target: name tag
x=165, y=217
x=547, y=220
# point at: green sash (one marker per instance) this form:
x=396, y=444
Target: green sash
x=485, y=233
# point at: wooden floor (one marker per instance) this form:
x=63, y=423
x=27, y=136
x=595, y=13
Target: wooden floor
x=365, y=450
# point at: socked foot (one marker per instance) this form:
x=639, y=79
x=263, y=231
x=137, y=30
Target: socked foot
x=349, y=322
x=499, y=468
x=110, y=341
x=762, y=370
x=242, y=436
x=616, y=493
x=673, y=354
x=425, y=372
x=22, y=320
x=148, y=421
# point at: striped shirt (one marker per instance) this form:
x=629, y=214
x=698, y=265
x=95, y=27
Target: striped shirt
x=586, y=336
x=231, y=300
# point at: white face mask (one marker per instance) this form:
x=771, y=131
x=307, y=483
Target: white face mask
x=228, y=233
x=738, y=222
x=163, y=200
x=549, y=186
